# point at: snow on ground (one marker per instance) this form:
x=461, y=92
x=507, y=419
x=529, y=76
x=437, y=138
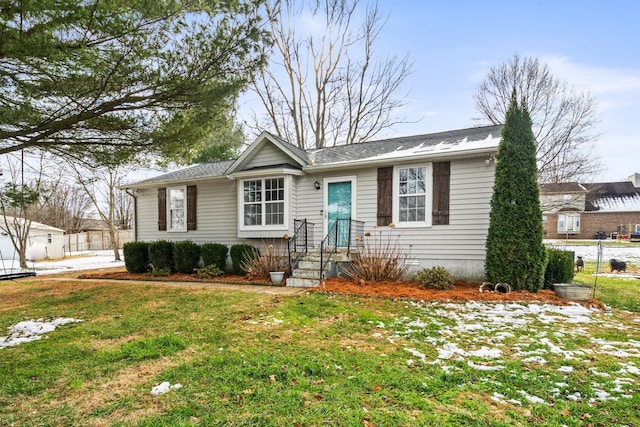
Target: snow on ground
x=77, y=261
x=32, y=330
x=488, y=336
x=589, y=252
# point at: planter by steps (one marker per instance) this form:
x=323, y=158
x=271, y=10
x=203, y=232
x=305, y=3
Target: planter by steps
x=573, y=291
x=276, y=277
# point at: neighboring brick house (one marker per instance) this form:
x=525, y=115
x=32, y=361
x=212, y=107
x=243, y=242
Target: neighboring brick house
x=585, y=211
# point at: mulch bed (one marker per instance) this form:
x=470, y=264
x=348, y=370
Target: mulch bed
x=462, y=291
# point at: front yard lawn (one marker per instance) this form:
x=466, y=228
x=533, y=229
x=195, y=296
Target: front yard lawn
x=244, y=359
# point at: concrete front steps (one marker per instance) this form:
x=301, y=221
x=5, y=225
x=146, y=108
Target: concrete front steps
x=307, y=274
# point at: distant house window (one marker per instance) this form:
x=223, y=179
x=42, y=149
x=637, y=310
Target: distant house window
x=49, y=238
x=412, y=195
x=177, y=208
x=569, y=223
x=263, y=202
x=544, y=219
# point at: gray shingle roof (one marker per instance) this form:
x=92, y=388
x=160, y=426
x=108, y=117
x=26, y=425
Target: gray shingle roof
x=198, y=171
x=452, y=139
x=408, y=145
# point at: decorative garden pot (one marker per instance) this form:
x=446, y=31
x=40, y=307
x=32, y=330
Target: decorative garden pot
x=277, y=277
x=573, y=291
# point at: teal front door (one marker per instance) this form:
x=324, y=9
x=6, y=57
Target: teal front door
x=339, y=207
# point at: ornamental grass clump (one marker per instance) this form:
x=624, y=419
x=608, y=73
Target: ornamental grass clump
x=272, y=259
x=434, y=278
x=378, y=258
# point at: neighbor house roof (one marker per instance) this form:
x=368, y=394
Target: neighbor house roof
x=34, y=225
x=562, y=188
x=461, y=142
x=614, y=196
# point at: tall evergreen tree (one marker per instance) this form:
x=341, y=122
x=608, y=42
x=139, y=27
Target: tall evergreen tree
x=515, y=252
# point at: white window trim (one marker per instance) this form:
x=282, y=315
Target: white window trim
x=169, y=222
x=576, y=223
x=429, y=196
x=287, y=203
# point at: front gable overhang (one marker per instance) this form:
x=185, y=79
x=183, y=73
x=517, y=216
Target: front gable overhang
x=295, y=155
x=266, y=172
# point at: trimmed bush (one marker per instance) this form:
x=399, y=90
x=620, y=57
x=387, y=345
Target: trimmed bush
x=559, y=267
x=209, y=271
x=186, y=255
x=136, y=257
x=214, y=254
x=434, y=278
x=241, y=254
x=161, y=255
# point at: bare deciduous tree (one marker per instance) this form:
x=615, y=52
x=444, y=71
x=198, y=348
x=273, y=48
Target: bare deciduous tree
x=62, y=206
x=18, y=200
x=100, y=183
x=562, y=118
x=324, y=83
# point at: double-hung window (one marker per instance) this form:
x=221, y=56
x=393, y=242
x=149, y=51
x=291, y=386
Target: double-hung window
x=177, y=208
x=263, y=202
x=412, y=190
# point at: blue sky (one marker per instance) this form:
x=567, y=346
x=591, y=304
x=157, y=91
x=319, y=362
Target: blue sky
x=593, y=45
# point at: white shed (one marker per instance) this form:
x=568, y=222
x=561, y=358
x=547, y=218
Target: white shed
x=44, y=241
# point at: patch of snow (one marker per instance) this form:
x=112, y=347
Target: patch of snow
x=32, y=330
x=565, y=369
x=532, y=398
x=77, y=261
x=163, y=388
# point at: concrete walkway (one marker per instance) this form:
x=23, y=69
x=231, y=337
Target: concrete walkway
x=274, y=290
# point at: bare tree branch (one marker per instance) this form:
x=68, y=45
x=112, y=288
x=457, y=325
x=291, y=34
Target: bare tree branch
x=324, y=84
x=562, y=119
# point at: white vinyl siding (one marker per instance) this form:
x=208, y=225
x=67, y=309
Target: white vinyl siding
x=458, y=246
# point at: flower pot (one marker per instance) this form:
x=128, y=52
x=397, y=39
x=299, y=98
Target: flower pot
x=573, y=291
x=277, y=277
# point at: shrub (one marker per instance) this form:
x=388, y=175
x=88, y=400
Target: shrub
x=214, y=254
x=136, y=257
x=378, y=258
x=161, y=255
x=240, y=254
x=209, y=271
x=434, y=278
x=273, y=259
x=160, y=272
x=186, y=255
x=559, y=267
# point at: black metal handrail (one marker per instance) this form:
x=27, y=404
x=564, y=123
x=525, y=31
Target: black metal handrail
x=303, y=234
x=344, y=233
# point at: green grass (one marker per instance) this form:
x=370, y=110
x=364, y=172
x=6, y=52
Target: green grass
x=247, y=359
x=618, y=292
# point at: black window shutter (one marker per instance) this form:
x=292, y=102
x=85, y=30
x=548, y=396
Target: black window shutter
x=441, y=179
x=385, y=196
x=162, y=209
x=191, y=207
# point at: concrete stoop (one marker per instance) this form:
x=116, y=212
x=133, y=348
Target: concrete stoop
x=307, y=274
